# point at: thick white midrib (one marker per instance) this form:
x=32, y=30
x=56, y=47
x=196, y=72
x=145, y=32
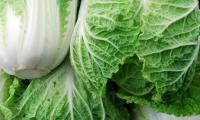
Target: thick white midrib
x=144, y=4
x=67, y=92
x=140, y=7
x=70, y=90
x=77, y=30
x=80, y=56
x=83, y=11
x=108, y=2
x=81, y=24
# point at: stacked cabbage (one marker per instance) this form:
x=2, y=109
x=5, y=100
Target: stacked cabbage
x=123, y=53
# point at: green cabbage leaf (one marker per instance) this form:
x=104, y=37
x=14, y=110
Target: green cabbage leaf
x=57, y=96
x=149, y=48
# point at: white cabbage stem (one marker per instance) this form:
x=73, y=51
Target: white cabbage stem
x=146, y=113
x=33, y=42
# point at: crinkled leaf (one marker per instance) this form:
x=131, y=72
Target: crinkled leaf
x=11, y=89
x=162, y=72
x=161, y=38
x=59, y=96
x=169, y=58
x=104, y=36
x=185, y=104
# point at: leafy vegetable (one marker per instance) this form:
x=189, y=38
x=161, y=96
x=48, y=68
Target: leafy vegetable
x=187, y=103
x=10, y=90
x=35, y=35
x=149, y=48
x=59, y=96
x=143, y=52
x=104, y=37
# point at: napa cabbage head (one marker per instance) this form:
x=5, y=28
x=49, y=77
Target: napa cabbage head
x=35, y=35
